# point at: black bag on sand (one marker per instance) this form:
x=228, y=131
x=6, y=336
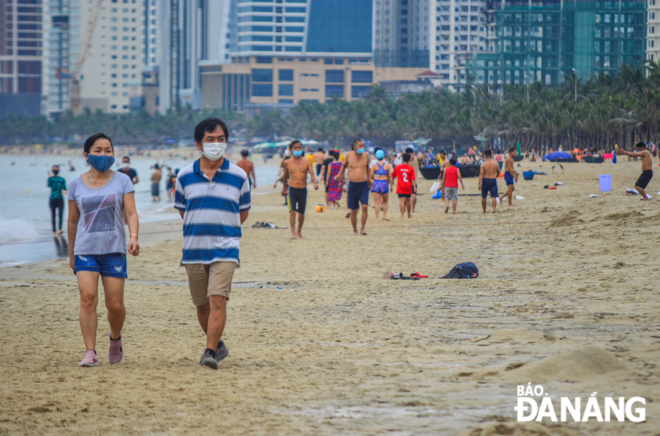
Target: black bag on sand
x=466, y=270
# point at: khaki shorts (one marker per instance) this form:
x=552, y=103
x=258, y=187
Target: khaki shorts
x=212, y=279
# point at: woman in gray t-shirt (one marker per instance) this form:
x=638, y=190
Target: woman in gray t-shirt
x=97, y=242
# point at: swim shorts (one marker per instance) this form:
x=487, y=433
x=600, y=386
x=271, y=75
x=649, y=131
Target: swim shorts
x=297, y=199
x=358, y=193
x=109, y=265
x=318, y=169
x=155, y=190
x=404, y=195
x=451, y=193
x=489, y=185
x=644, y=179
x=380, y=187
x=508, y=178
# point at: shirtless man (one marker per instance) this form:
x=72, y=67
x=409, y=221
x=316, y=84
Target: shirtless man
x=444, y=163
x=357, y=162
x=246, y=165
x=414, y=162
x=294, y=179
x=510, y=175
x=488, y=174
x=647, y=162
x=319, y=157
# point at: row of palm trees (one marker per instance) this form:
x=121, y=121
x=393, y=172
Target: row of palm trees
x=609, y=110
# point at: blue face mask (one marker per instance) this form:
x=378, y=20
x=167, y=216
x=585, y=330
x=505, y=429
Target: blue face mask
x=101, y=163
x=360, y=150
x=297, y=153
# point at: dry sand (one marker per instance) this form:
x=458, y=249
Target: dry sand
x=320, y=344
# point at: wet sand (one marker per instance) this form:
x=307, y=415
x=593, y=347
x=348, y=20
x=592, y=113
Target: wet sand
x=319, y=343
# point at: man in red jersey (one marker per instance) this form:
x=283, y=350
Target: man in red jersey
x=406, y=181
x=449, y=185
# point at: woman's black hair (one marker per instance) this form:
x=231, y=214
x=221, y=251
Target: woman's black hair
x=92, y=139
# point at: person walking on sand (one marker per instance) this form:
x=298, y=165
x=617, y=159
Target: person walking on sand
x=380, y=175
x=213, y=198
x=156, y=175
x=334, y=188
x=449, y=183
x=127, y=170
x=294, y=179
x=97, y=243
x=510, y=175
x=405, y=175
x=169, y=184
x=647, y=165
x=246, y=165
x=57, y=186
x=488, y=174
x=319, y=157
x=414, y=162
x=357, y=162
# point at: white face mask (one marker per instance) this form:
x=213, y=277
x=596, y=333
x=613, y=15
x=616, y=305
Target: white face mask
x=125, y=165
x=214, y=150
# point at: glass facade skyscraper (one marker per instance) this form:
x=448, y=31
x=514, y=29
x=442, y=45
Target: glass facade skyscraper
x=301, y=27
x=544, y=43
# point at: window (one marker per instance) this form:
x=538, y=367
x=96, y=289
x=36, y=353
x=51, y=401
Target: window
x=262, y=75
x=334, y=76
x=339, y=62
x=327, y=61
x=295, y=29
x=334, y=91
x=285, y=101
x=359, y=91
x=262, y=90
x=293, y=38
x=362, y=76
x=295, y=19
x=286, y=75
x=264, y=60
x=285, y=90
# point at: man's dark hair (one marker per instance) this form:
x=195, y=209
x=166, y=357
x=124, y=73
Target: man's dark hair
x=356, y=141
x=244, y=152
x=126, y=158
x=321, y=150
x=155, y=166
x=512, y=149
x=92, y=139
x=406, y=157
x=452, y=161
x=442, y=152
x=208, y=126
x=295, y=141
x=409, y=150
x=640, y=145
x=488, y=153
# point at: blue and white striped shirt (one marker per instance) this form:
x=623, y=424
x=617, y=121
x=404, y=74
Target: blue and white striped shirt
x=211, y=220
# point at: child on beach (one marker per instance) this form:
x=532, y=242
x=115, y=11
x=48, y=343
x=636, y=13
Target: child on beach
x=405, y=175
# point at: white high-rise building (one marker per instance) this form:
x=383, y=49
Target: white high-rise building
x=653, y=31
x=458, y=35
x=192, y=31
x=99, y=43
x=402, y=33
x=151, y=37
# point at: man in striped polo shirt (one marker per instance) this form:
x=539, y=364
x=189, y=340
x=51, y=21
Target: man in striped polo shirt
x=213, y=198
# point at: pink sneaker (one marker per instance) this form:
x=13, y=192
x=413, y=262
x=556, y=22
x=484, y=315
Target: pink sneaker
x=90, y=359
x=116, y=350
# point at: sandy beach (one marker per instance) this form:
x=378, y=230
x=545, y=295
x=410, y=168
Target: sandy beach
x=320, y=344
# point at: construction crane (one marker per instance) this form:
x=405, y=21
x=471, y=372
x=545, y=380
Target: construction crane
x=84, y=50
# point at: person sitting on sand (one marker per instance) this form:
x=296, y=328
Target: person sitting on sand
x=213, y=198
x=357, y=162
x=488, y=174
x=510, y=175
x=294, y=179
x=465, y=160
x=647, y=162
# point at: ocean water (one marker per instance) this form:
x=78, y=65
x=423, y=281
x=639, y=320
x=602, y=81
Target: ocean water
x=25, y=229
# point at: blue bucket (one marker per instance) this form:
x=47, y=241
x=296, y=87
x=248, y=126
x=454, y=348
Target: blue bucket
x=528, y=175
x=605, y=182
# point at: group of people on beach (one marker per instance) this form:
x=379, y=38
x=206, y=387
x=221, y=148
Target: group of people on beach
x=213, y=197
